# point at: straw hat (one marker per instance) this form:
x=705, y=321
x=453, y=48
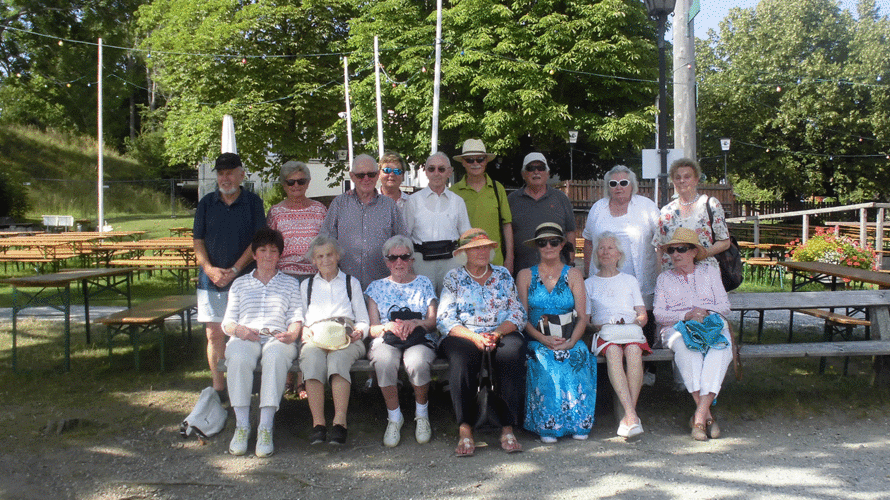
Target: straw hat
x=473, y=238
x=332, y=333
x=546, y=230
x=474, y=147
x=688, y=236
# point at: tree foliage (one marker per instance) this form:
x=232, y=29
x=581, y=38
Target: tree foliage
x=802, y=89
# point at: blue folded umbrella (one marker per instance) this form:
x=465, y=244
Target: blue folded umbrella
x=704, y=335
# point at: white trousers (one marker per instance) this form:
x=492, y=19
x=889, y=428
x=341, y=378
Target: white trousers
x=242, y=357
x=702, y=373
x=386, y=360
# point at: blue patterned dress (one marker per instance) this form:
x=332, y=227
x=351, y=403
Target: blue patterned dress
x=561, y=385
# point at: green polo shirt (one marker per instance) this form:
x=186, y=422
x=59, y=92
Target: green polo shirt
x=482, y=208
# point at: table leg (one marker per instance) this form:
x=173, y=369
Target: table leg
x=66, y=302
x=84, y=286
x=15, y=311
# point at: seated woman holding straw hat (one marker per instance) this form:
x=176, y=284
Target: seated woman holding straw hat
x=480, y=315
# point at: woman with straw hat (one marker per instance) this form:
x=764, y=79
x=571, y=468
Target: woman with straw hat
x=480, y=312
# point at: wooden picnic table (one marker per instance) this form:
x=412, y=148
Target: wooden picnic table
x=101, y=280
x=181, y=231
x=813, y=272
x=182, y=248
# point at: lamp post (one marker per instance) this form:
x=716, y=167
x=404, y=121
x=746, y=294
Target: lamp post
x=573, y=138
x=724, y=145
x=660, y=10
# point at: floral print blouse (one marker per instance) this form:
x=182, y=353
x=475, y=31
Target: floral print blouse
x=698, y=221
x=479, y=308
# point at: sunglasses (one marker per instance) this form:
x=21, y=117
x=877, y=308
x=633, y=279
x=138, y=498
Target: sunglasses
x=291, y=182
x=683, y=249
x=433, y=169
x=623, y=183
x=554, y=242
x=369, y=175
x=389, y=170
x=392, y=258
x=532, y=168
x=475, y=160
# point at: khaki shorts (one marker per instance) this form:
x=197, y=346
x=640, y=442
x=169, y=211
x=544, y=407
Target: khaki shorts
x=320, y=364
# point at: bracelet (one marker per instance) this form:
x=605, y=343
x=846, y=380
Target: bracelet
x=235, y=269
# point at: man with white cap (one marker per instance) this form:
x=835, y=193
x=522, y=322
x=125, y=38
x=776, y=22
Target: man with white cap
x=535, y=204
x=486, y=200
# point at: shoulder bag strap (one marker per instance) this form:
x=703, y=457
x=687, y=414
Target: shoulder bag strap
x=309, y=291
x=711, y=218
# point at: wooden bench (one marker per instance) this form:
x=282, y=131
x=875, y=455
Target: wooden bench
x=148, y=316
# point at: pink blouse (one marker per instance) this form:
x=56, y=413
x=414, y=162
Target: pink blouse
x=675, y=294
x=299, y=227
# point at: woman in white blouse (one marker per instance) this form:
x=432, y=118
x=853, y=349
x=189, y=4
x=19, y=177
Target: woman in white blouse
x=330, y=294
x=435, y=218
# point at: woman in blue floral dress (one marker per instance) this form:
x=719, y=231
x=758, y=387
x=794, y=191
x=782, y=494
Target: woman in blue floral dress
x=561, y=374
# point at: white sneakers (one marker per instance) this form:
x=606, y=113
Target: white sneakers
x=393, y=433
x=238, y=445
x=264, y=446
x=424, y=431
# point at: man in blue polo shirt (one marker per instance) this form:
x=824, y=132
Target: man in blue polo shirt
x=225, y=223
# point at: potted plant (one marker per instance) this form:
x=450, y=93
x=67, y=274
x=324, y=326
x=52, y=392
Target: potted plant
x=826, y=246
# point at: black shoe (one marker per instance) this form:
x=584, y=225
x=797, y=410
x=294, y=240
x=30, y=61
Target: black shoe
x=319, y=434
x=338, y=434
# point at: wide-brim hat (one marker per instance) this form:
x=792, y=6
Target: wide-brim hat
x=474, y=147
x=546, y=230
x=689, y=237
x=227, y=161
x=332, y=334
x=473, y=238
x=535, y=157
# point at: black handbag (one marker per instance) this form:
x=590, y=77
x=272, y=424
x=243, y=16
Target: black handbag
x=418, y=336
x=488, y=403
x=730, y=260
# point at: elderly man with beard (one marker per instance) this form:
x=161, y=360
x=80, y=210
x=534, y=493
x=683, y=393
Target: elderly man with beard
x=535, y=204
x=225, y=223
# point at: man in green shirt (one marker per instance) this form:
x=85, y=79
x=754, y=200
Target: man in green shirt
x=486, y=200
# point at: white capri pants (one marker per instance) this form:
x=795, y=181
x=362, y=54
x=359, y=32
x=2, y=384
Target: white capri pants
x=321, y=364
x=435, y=270
x=702, y=373
x=242, y=356
x=386, y=360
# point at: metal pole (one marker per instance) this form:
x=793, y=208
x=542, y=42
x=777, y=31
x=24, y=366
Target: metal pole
x=348, y=110
x=572, y=162
x=662, y=111
x=437, y=79
x=379, y=101
x=101, y=147
x=725, y=179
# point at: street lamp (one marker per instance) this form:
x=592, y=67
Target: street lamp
x=573, y=138
x=659, y=10
x=724, y=145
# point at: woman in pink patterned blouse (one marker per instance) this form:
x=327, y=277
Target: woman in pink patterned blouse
x=298, y=218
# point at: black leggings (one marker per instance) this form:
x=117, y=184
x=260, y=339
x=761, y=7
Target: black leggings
x=465, y=362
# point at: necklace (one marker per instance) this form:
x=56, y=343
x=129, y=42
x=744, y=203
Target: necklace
x=474, y=276
x=685, y=204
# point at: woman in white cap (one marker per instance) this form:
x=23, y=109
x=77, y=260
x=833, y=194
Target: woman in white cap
x=561, y=382
x=480, y=312
x=691, y=291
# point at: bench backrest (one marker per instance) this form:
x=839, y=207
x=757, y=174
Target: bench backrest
x=802, y=300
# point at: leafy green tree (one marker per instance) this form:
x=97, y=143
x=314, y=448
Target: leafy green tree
x=517, y=74
x=250, y=60
x=798, y=87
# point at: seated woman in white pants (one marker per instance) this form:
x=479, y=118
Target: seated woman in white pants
x=264, y=317
x=691, y=291
x=396, y=336
x=330, y=294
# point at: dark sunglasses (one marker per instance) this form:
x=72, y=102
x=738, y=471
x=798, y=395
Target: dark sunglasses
x=369, y=175
x=532, y=168
x=554, y=242
x=291, y=182
x=389, y=170
x=392, y=258
x=683, y=249
x=623, y=183
x=433, y=169
x=475, y=160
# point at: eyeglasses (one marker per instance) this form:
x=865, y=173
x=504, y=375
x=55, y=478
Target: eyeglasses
x=389, y=170
x=291, y=182
x=475, y=160
x=369, y=175
x=623, y=183
x=433, y=169
x=554, y=242
x=392, y=258
x=535, y=166
x=683, y=249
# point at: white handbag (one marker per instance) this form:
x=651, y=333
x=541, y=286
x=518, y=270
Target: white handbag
x=208, y=417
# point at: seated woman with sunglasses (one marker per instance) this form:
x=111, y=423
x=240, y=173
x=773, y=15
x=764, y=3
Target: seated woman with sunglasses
x=691, y=291
x=436, y=218
x=560, y=394
x=298, y=218
x=402, y=308
x=392, y=173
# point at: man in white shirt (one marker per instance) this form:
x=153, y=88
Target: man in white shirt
x=436, y=218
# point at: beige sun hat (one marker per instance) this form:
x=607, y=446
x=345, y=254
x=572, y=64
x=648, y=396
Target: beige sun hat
x=473, y=238
x=689, y=237
x=474, y=147
x=332, y=334
x=546, y=230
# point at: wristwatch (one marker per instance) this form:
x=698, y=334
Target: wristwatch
x=235, y=269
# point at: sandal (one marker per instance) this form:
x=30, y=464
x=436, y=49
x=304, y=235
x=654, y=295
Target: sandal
x=698, y=433
x=510, y=444
x=466, y=447
x=301, y=391
x=713, y=428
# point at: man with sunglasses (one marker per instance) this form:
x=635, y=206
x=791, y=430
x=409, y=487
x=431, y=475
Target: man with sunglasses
x=436, y=218
x=392, y=173
x=535, y=204
x=361, y=220
x=486, y=200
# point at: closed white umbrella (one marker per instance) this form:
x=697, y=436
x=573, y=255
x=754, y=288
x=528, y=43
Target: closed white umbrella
x=228, y=135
